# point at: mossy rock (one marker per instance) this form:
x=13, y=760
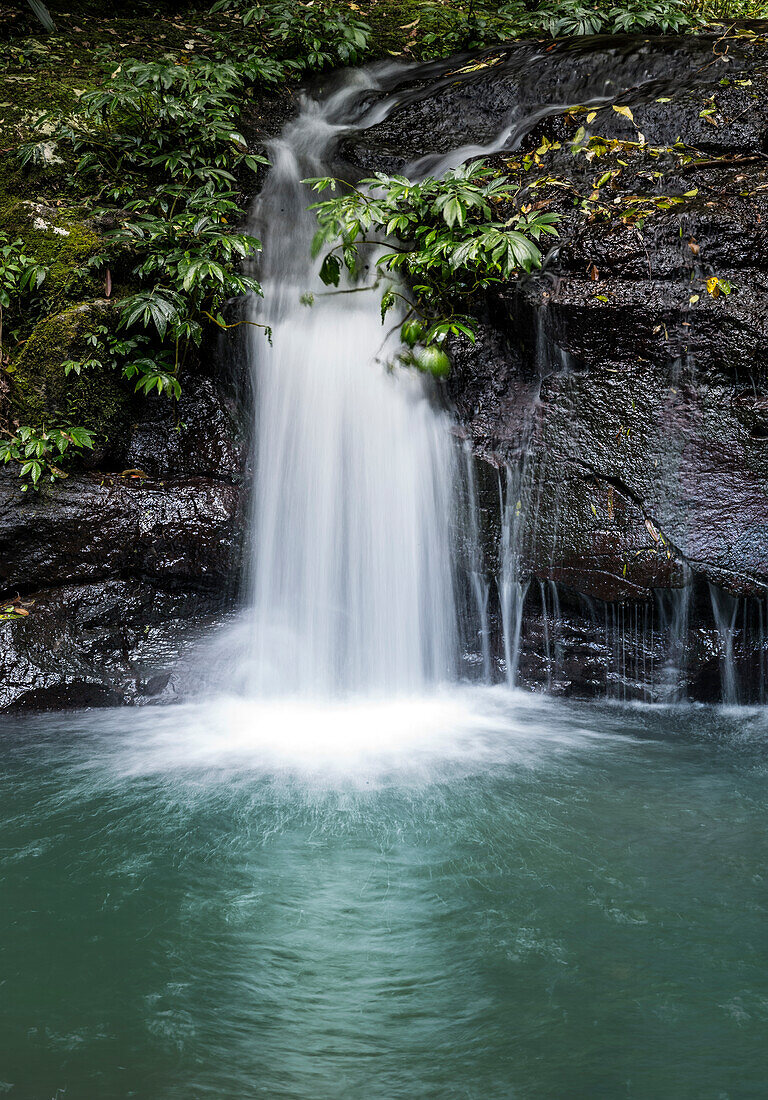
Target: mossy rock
x=41, y=393
x=62, y=245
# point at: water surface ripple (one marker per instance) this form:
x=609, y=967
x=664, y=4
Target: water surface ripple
x=479, y=895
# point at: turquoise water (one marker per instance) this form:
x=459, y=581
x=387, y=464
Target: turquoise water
x=481, y=896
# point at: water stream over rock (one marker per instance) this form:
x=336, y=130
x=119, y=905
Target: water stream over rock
x=581, y=509
x=356, y=470
x=336, y=870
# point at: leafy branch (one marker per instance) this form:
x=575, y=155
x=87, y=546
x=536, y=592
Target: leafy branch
x=456, y=237
x=21, y=276
x=38, y=452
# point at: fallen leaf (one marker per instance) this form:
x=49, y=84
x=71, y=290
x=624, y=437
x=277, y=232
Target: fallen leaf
x=652, y=530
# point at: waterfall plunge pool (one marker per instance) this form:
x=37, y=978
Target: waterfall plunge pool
x=473, y=894
x=421, y=892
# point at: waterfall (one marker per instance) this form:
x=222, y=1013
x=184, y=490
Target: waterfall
x=353, y=575
x=368, y=571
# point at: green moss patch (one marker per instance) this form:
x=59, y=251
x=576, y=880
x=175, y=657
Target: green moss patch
x=41, y=393
x=60, y=244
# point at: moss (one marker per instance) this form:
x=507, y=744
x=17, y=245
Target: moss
x=62, y=245
x=40, y=392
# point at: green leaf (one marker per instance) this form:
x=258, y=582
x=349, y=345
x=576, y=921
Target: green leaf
x=330, y=271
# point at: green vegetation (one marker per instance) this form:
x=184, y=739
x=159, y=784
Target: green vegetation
x=38, y=452
x=156, y=144
x=440, y=29
x=20, y=279
x=456, y=237
x=124, y=170
x=42, y=389
x=314, y=36
x=158, y=140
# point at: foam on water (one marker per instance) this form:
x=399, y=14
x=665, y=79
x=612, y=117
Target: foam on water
x=361, y=741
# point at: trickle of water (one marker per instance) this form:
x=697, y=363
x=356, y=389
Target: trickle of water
x=476, y=570
x=513, y=585
x=725, y=608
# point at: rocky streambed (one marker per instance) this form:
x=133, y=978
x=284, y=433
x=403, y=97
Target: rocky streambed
x=616, y=405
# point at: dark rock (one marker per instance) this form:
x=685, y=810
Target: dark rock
x=622, y=408
x=517, y=89
x=97, y=527
x=199, y=436
x=101, y=644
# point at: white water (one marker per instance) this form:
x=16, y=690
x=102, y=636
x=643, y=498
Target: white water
x=354, y=503
x=365, y=541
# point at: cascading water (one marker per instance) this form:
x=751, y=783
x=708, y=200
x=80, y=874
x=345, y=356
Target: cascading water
x=358, y=537
x=368, y=574
x=355, y=496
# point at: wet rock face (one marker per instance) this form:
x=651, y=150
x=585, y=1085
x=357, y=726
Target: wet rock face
x=102, y=644
x=120, y=572
x=528, y=87
x=622, y=403
x=202, y=435
x=105, y=527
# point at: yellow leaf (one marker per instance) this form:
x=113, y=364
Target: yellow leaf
x=591, y=116
x=651, y=530
x=693, y=299
x=625, y=111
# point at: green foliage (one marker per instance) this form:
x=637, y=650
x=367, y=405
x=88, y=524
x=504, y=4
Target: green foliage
x=160, y=121
x=43, y=392
x=20, y=274
x=158, y=144
x=37, y=452
x=184, y=256
x=573, y=17
x=153, y=369
x=160, y=140
x=316, y=35
x=59, y=243
x=726, y=11
x=188, y=255
x=20, y=278
x=447, y=30
x=453, y=242
x=432, y=360
x=443, y=30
